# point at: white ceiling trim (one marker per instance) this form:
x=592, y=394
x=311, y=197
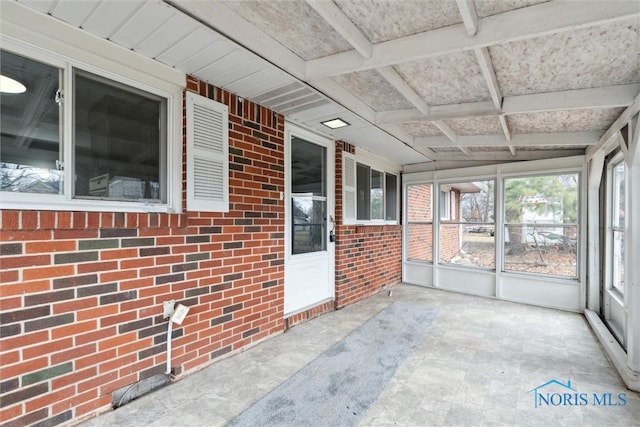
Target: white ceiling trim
x=343, y=25
x=624, y=118
x=577, y=99
x=602, y=97
x=469, y=16
x=396, y=80
x=530, y=139
x=450, y=160
x=525, y=23
x=489, y=74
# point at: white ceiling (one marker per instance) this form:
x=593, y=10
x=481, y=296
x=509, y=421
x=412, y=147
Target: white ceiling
x=418, y=80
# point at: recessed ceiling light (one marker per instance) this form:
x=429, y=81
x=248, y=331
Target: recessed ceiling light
x=9, y=85
x=335, y=123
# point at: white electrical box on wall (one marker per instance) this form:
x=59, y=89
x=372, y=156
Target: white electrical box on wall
x=179, y=314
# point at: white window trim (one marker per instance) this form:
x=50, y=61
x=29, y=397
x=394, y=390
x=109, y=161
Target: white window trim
x=444, y=189
x=379, y=165
x=67, y=48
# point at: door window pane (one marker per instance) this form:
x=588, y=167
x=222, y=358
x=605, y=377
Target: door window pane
x=308, y=225
x=307, y=168
x=30, y=125
x=120, y=139
x=308, y=197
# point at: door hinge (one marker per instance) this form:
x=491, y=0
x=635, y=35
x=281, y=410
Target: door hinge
x=59, y=165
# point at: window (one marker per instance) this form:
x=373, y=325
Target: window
x=467, y=237
x=76, y=139
x=31, y=145
x=308, y=196
x=419, y=232
x=444, y=204
x=371, y=189
x=119, y=141
x=617, y=226
x=541, y=224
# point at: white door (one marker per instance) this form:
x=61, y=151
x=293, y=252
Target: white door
x=309, y=262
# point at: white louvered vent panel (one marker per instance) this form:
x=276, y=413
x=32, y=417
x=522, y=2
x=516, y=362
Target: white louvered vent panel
x=208, y=133
x=348, y=188
x=207, y=154
x=349, y=204
x=207, y=178
x=349, y=166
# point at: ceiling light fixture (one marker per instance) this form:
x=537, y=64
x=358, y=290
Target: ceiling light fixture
x=335, y=123
x=9, y=85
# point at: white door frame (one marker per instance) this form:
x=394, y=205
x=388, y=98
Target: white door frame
x=293, y=263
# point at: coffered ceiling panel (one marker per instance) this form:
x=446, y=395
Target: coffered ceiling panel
x=446, y=79
x=382, y=20
x=563, y=121
x=488, y=125
x=418, y=129
x=486, y=8
x=585, y=58
x=294, y=24
x=370, y=87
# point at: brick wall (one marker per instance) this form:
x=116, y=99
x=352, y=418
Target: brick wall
x=450, y=233
x=368, y=258
x=82, y=292
x=420, y=223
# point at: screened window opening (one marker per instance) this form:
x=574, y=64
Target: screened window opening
x=541, y=224
x=30, y=151
x=120, y=140
x=617, y=227
x=467, y=236
x=419, y=234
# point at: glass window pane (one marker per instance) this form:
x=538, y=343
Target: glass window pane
x=391, y=196
x=419, y=202
x=444, y=204
x=618, y=232
x=30, y=125
x=618, y=195
x=308, y=225
x=307, y=167
x=541, y=224
x=419, y=238
x=363, y=182
x=376, y=195
x=119, y=139
x=618, y=261
x=467, y=238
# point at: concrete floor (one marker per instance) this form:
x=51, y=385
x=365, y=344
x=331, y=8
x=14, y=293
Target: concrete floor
x=475, y=367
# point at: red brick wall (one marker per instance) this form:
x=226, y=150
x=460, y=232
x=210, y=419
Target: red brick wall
x=368, y=258
x=450, y=233
x=419, y=236
x=82, y=292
